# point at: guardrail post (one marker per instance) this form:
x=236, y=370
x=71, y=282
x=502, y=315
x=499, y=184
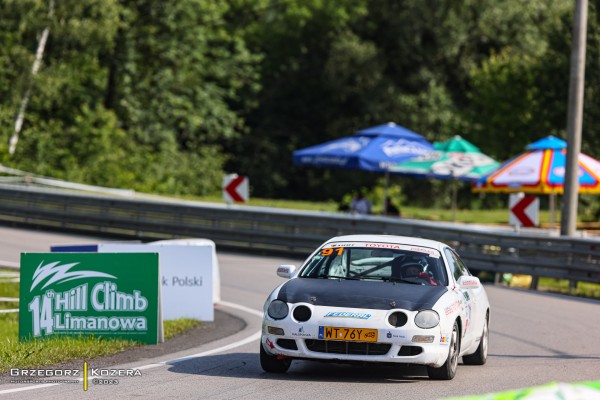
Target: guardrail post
x=498, y=278
x=534, y=282
x=572, y=285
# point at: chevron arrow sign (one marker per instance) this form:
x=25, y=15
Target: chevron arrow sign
x=524, y=210
x=235, y=188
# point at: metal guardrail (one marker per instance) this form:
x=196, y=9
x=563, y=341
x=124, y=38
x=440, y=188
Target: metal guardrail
x=9, y=265
x=276, y=231
x=9, y=277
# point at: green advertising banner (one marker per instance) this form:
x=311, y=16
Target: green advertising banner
x=100, y=294
x=550, y=391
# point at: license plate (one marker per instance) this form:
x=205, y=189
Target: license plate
x=347, y=334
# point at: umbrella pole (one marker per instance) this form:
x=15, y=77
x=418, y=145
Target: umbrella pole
x=552, y=209
x=385, y=189
x=454, y=200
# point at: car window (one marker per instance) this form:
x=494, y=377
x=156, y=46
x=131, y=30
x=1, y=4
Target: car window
x=462, y=265
x=423, y=267
x=457, y=266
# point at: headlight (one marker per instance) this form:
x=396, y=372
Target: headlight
x=397, y=319
x=278, y=309
x=427, y=319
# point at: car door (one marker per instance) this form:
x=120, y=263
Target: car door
x=470, y=325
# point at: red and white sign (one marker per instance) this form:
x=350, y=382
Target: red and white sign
x=524, y=210
x=235, y=188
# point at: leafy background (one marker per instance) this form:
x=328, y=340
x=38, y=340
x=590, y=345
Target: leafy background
x=168, y=96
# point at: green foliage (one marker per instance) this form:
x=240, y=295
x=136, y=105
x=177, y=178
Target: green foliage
x=130, y=94
x=504, y=103
x=183, y=173
x=183, y=70
x=92, y=149
x=430, y=66
x=167, y=96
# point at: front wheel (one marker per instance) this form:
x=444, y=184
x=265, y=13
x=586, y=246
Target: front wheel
x=480, y=355
x=272, y=364
x=448, y=370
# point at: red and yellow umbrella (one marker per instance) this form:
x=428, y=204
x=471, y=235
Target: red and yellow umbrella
x=541, y=170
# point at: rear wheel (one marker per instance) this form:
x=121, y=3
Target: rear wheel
x=480, y=355
x=272, y=364
x=448, y=370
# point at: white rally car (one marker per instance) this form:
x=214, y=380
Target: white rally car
x=377, y=298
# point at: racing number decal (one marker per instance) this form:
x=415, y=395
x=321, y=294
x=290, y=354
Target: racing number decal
x=329, y=251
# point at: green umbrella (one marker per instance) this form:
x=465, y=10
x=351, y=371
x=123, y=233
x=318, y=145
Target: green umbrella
x=456, y=159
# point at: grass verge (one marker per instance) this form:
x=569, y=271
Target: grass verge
x=554, y=285
x=583, y=289
x=479, y=216
x=54, y=350
x=8, y=288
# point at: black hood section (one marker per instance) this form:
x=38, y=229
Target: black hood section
x=360, y=294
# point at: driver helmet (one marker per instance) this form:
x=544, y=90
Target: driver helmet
x=411, y=270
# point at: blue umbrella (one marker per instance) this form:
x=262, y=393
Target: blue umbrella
x=373, y=149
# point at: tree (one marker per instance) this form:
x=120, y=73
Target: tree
x=162, y=81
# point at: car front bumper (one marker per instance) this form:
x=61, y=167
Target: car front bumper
x=392, y=346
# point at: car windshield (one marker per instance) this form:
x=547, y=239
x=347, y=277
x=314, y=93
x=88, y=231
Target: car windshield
x=397, y=263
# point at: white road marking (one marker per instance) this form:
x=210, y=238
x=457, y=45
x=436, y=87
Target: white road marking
x=29, y=388
x=251, y=338
x=10, y=299
x=242, y=308
x=10, y=310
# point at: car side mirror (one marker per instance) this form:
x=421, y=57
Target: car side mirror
x=469, y=282
x=286, y=271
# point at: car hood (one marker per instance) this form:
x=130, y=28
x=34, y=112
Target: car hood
x=360, y=294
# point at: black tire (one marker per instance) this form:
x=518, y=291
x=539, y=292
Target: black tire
x=272, y=364
x=480, y=355
x=447, y=371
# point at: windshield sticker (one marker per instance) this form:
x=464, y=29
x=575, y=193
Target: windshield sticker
x=385, y=246
x=344, y=314
x=342, y=244
x=329, y=251
x=431, y=252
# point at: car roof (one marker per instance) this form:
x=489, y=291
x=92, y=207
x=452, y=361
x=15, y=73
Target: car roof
x=394, y=239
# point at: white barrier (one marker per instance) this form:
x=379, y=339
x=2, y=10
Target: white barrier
x=216, y=272
x=187, y=288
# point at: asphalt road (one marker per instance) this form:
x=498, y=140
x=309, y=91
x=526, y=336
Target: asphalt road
x=535, y=338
